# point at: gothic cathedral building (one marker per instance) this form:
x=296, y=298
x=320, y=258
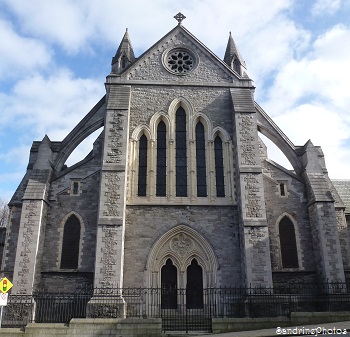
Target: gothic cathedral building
x=178, y=190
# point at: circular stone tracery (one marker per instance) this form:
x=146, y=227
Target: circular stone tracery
x=179, y=61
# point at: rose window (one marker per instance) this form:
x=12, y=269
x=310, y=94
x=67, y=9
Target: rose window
x=179, y=61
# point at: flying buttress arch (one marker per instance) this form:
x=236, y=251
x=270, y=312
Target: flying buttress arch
x=89, y=124
x=269, y=129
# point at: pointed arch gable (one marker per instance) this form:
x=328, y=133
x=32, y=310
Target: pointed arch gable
x=187, y=106
x=182, y=244
x=205, y=120
x=155, y=119
x=224, y=135
x=139, y=130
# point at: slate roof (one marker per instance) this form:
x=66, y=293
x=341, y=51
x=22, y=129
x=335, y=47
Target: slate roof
x=343, y=189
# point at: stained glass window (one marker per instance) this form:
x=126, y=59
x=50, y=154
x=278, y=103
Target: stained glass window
x=161, y=160
x=142, y=179
x=219, y=167
x=200, y=161
x=181, y=153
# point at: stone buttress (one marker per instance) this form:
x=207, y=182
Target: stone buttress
x=32, y=223
x=255, y=244
x=323, y=219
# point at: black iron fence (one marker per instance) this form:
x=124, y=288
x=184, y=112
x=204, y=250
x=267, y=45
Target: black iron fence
x=179, y=309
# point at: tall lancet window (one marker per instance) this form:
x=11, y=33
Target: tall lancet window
x=142, y=181
x=200, y=161
x=70, y=244
x=289, y=252
x=219, y=167
x=181, y=153
x=161, y=160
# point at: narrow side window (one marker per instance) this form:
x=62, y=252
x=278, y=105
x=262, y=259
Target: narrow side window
x=219, y=167
x=70, y=244
x=181, y=153
x=142, y=176
x=200, y=161
x=289, y=252
x=161, y=160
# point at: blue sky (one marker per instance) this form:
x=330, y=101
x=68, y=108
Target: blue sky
x=56, y=54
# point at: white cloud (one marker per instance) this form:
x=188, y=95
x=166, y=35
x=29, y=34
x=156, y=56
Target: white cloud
x=62, y=22
x=309, y=98
x=75, y=25
x=39, y=105
x=325, y=7
x=20, y=54
x=322, y=74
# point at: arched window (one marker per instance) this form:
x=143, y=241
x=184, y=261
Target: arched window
x=288, y=244
x=237, y=66
x=161, y=160
x=124, y=59
x=200, y=161
x=219, y=167
x=142, y=181
x=70, y=244
x=181, y=153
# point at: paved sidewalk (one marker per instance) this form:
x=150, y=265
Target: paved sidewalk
x=319, y=330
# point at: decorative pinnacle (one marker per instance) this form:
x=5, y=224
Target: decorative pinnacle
x=179, y=17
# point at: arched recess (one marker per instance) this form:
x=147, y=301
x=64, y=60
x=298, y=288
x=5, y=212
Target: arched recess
x=295, y=241
x=224, y=135
x=155, y=119
x=182, y=244
x=139, y=131
x=208, y=125
x=89, y=124
x=269, y=129
x=62, y=226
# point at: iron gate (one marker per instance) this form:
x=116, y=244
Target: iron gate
x=185, y=310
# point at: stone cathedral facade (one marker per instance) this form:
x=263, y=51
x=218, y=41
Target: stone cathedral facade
x=178, y=190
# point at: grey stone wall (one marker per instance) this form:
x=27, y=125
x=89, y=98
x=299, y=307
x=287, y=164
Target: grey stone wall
x=293, y=277
x=9, y=254
x=214, y=102
x=85, y=205
x=293, y=204
x=146, y=224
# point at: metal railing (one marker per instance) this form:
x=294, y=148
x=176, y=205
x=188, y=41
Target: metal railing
x=178, y=308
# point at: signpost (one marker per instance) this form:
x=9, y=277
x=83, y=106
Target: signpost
x=5, y=286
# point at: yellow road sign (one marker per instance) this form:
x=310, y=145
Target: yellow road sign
x=5, y=285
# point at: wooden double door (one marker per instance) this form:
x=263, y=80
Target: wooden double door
x=191, y=296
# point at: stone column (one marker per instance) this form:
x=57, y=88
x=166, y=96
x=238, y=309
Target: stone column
x=111, y=217
x=253, y=224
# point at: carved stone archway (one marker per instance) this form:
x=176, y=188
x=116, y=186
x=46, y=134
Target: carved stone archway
x=181, y=245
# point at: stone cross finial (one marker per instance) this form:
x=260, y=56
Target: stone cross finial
x=179, y=17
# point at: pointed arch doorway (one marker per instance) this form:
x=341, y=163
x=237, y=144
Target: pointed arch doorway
x=182, y=264
x=193, y=290
x=169, y=286
x=194, y=286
